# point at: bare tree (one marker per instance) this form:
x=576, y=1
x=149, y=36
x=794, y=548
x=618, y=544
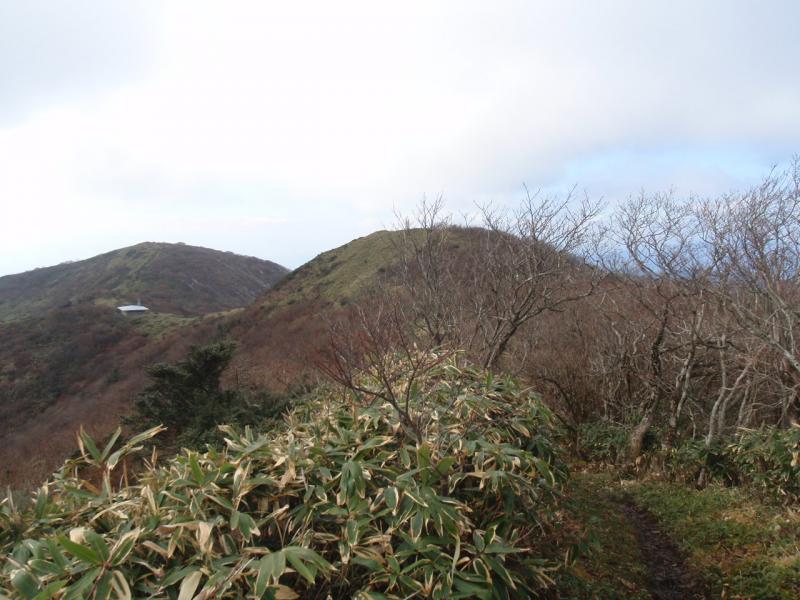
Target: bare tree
x=430, y=271
x=373, y=352
x=755, y=238
x=533, y=260
x=694, y=316
x=477, y=287
x=666, y=274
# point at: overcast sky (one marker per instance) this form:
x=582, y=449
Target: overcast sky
x=282, y=129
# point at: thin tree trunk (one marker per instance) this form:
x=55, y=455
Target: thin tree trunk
x=636, y=439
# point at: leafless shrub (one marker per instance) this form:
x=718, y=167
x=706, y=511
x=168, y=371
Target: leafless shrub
x=373, y=352
x=515, y=266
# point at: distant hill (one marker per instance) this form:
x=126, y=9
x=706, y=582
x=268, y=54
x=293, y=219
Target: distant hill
x=68, y=357
x=169, y=278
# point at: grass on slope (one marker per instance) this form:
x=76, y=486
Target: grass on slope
x=734, y=540
x=737, y=545
x=609, y=563
x=338, y=276
x=158, y=325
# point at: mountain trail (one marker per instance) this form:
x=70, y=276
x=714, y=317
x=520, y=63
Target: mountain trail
x=669, y=577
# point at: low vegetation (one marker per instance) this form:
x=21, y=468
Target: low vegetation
x=742, y=547
x=733, y=544
x=339, y=501
x=45, y=358
x=765, y=461
x=188, y=399
x=608, y=564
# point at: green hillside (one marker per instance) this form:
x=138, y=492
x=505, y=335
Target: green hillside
x=68, y=357
x=168, y=278
x=339, y=275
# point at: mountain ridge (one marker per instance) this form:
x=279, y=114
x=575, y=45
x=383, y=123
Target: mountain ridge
x=174, y=278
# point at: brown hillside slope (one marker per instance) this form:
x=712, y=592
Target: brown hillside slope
x=83, y=367
x=278, y=337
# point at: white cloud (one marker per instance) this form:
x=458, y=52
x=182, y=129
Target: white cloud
x=311, y=121
x=54, y=52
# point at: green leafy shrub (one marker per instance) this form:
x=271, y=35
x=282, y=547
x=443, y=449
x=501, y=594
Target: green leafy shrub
x=338, y=503
x=602, y=441
x=769, y=460
x=688, y=460
x=187, y=397
x=766, y=460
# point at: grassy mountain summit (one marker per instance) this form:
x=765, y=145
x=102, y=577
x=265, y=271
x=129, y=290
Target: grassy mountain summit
x=173, y=278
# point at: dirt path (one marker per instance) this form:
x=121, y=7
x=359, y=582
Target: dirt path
x=669, y=578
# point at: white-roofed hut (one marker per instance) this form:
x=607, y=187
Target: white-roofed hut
x=133, y=310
